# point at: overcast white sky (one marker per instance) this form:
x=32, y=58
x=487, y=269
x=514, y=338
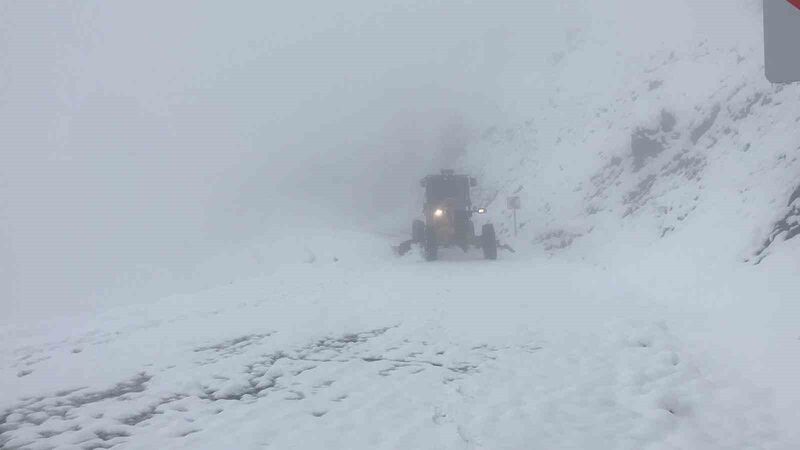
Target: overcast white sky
x=153, y=133
x=150, y=132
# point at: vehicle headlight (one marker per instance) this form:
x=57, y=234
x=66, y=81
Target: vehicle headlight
x=438, y=213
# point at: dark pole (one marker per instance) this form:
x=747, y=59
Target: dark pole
x=515, y=222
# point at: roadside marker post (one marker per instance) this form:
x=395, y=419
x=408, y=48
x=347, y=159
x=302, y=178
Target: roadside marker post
x=782, y=40
x=514, y=203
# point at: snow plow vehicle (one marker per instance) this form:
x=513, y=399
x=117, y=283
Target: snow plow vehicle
x=448, y=221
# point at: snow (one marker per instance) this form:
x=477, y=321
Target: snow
x=684, y=217
x=386, y=352
x=641, y=309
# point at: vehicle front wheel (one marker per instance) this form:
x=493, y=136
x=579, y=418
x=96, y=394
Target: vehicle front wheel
x=489, y=242
x=431, y=247
x=418, y=231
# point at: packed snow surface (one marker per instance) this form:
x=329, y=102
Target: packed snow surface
x=356, y=348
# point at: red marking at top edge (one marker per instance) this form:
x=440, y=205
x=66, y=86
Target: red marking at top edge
x=796, y=3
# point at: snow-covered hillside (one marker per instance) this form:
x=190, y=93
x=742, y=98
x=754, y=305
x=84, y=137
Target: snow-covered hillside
x=669, y=143
x=676, y=166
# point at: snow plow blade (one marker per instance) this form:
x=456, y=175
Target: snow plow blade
x=403, y=248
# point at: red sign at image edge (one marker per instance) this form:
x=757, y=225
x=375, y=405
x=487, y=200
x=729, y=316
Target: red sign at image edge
x=796, y=3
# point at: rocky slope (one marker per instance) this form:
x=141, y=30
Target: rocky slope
x=685, y=144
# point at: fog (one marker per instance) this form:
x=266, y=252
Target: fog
x=154, y=134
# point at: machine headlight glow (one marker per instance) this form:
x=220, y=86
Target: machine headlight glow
x=438, y=213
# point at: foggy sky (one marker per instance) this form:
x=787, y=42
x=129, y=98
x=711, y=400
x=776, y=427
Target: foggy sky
x=154, y=133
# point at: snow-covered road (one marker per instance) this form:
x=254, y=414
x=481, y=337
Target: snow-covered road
x=374, y=352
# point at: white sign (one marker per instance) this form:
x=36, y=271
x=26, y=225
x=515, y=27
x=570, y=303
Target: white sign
x=513, y=203
x=782, y=40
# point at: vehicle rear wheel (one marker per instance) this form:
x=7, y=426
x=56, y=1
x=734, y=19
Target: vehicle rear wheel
x=431, y=247
x=418, y=231
x=489, y=242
